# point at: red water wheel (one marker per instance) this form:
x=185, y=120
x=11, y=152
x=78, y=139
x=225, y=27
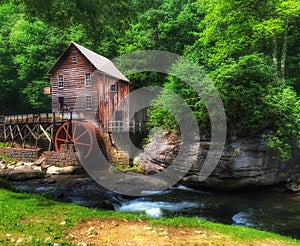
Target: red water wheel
x=79, y=133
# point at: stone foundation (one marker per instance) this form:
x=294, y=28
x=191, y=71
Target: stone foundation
x=115, y=156
x=27, y=155
x=66, y=157
x=116, y=152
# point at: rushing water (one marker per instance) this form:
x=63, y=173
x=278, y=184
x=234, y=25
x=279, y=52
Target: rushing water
x=262, y=209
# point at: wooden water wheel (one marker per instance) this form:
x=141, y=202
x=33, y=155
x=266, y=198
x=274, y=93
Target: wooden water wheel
x=79, y=133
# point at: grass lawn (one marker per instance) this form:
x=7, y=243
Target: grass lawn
x=29, y=219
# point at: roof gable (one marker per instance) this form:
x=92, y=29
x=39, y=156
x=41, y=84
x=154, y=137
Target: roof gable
x=101, y=63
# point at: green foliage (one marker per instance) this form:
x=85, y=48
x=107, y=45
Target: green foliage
x=243, y=86
x=124, y=168
x=168, y=26
x=285, y=110
x=173, y=104
x=35, y=96
x=159, y=116
x=256, y=99
x=4, y=144
x=33, y=35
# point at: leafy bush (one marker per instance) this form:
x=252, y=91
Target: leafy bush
x=254, y=98
x=244, y=86
x=284, y=105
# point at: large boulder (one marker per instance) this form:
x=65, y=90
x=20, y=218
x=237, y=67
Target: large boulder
x=246, y=162
x=53, y=170
x=23, y=174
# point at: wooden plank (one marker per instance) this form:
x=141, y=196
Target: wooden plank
x=45, y=133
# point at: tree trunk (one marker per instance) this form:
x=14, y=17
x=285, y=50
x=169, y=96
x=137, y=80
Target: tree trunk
x=284, y=50
x=275, y=53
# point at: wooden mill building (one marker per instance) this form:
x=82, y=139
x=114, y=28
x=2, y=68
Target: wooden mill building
x=89, y=95
x=86, y=82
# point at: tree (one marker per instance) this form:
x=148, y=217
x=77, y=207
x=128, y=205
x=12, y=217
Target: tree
x=244, y=87
x=233, y=28
x=279, y=26
x=166, y=25
x=32, y=43
x=9, y=86
x=103, y=22
x=34, y=33
x=160, y=25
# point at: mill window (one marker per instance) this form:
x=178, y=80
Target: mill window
x=88, y=100
x=60, y=81
x=113, y=88
x=88, y=81
x=74, y=58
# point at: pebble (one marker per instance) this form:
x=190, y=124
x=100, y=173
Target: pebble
x=164, y=233
x=48, y=239
x=28, y=163
x=91, y=231
x=3, y=166
x=82, y=244
x=19, y=164
x=19, y=241
x=37, y=168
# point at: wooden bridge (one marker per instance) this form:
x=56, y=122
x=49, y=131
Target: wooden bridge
x=32, y=128
x=51, y=130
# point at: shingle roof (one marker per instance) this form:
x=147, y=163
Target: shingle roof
x=101, y=63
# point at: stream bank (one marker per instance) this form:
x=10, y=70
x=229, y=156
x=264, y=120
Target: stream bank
x=270, y=208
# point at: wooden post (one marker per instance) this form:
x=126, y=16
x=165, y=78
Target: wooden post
x=52, y=131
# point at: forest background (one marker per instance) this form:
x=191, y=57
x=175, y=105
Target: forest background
x=249, y=49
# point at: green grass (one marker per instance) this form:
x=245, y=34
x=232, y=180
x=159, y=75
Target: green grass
x=125, y=168
x=237, y=232
x=7, y=159
x=2, y=144
x=35, y=218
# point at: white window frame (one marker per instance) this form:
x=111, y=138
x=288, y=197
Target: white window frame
x=88, y=102
x=60, y=81
x=113, y=86
x=74, y=57
x=88, y=81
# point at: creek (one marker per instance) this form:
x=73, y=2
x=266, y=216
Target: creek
x=262, y=208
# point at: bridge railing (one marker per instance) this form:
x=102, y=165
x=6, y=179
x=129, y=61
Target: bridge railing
x=126, y=126
x=42, y=117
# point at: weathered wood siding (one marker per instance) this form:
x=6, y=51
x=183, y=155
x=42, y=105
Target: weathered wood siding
x=74, y=78
x=110, y=102
x=104, y=101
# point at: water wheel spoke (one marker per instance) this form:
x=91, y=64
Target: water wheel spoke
x=81, y=135
x=74, y=126
x=67, y=133
x=83, y=144
x=61, y=140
